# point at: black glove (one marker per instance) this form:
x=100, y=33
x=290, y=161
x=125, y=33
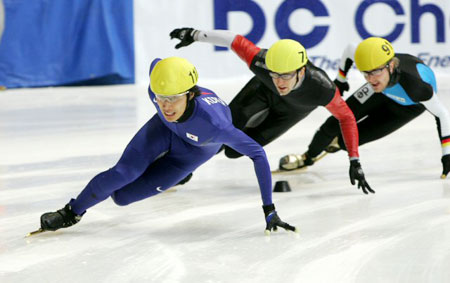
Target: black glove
x=356, y=173
x=273, y=221
x=341, y=86
x=186, y=35
x=445, y=165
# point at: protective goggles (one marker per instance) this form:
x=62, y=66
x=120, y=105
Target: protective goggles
x=375, y=72
x=285, y=77
x=170, y=98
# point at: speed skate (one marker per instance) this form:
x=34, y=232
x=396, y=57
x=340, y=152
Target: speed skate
x=298, y=170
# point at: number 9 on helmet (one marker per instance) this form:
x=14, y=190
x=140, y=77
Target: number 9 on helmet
x=372, y=53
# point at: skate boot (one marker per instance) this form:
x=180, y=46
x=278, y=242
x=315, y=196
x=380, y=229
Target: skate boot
x=62, y=218
x=295, y=161
x=333, y=146
x=185, y=180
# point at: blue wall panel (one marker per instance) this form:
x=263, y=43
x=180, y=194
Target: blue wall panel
x=67, y=42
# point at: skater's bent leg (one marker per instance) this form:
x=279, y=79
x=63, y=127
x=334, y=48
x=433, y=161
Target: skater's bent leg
x=380, y=124
x=152, y=140
x=393, y=118
x=323, y=137
x=273, y=126
x=160, y=176
x=182, y=159
x=250, y=102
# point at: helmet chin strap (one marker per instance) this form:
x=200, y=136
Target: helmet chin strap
x=187, y=101
x=190, y=103
x=394, y=76
x=298, y=82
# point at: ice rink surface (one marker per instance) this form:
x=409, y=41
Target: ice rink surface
x=54, y=140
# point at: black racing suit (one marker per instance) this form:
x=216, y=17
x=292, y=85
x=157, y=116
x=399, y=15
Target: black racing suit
x=264, y=115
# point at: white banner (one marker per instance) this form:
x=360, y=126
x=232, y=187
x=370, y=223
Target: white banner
x=324, y=27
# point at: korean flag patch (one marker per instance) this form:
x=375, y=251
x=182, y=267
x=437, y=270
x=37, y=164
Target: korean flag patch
x=192, y=137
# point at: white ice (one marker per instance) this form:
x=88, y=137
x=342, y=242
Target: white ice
x=54, y=140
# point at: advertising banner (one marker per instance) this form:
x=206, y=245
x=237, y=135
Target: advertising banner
x=324, y=27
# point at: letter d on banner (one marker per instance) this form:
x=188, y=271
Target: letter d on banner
x=223, y=7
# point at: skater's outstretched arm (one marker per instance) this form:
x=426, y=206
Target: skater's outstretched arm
x=349, y=130
x=344, y=66
x=442, y=115
x=243, y=47
x=239, y=141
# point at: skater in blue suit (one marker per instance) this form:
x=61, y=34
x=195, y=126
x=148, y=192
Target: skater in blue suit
x=191, y=125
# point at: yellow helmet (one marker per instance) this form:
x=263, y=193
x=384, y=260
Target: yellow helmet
x=373, y=52
x=286, y=55
x=172, y=76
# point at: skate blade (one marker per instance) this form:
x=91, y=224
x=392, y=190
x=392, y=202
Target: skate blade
x=294, y=230
x=289, y=172
x=320, y=156
x=39, y=231
x=299, y=170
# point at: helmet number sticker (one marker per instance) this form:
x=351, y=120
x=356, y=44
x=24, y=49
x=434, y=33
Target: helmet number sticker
x=387, y=48
x=193, y=74
x=364, y=93
x=303, y=55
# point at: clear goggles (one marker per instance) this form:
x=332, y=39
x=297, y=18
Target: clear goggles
x=285, y=76
x=170, y=98
x=375, y=72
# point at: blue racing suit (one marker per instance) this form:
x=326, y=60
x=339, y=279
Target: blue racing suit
x=163, y=153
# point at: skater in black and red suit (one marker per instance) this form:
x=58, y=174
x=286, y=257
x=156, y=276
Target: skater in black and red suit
x=285, y=89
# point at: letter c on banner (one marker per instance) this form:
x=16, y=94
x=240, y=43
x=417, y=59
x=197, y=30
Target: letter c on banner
x=317, y=8
x=359, y=24
x=223, y=7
